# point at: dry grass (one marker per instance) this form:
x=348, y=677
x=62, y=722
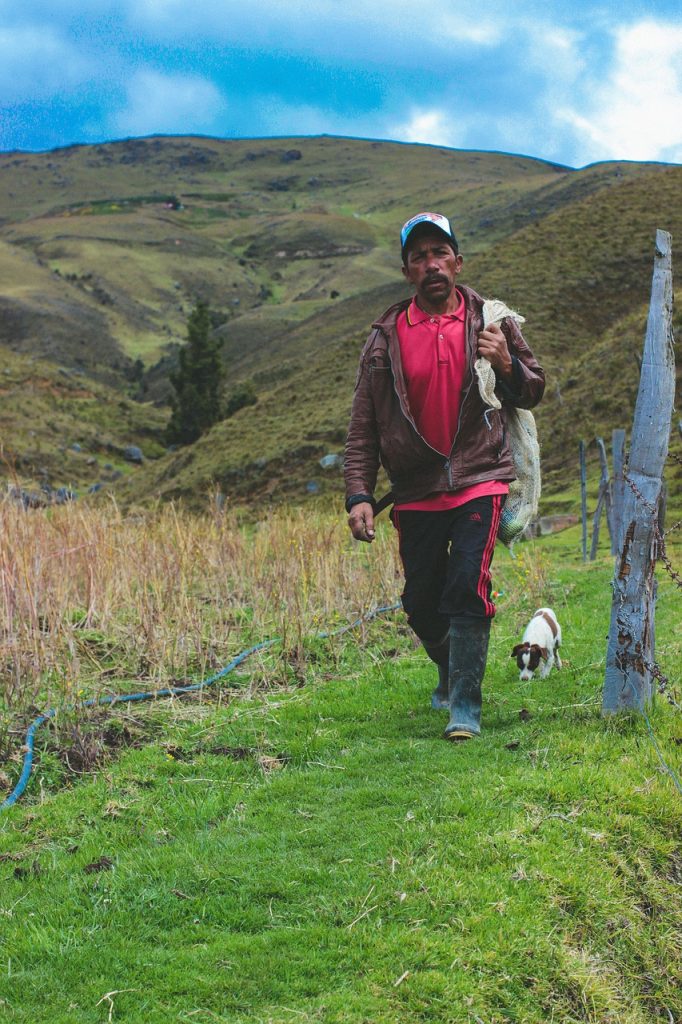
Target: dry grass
x=89, y=596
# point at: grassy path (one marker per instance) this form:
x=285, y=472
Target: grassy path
x=320, y=854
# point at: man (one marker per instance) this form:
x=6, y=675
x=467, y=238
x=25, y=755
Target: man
x=417, y=411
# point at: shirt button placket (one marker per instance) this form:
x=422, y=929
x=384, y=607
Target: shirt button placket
x=442, y=351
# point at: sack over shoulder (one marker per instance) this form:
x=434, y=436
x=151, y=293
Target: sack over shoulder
x=521, y=506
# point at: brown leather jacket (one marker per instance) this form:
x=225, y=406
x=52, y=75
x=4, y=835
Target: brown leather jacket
x=382, y=429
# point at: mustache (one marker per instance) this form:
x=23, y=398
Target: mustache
x=436, y=278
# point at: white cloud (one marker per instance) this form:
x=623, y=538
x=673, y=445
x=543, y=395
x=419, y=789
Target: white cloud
x=36, y=61
x=168, y=103
x=636, y=112
x=522, y=118
x=458, y=29
x=346, y=30
x=556, y=51
x=552, y=65
x=430, y=125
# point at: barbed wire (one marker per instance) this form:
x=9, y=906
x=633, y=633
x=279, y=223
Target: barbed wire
x=628, y=658
x=663, y=557
x=663, y=683
x=659, y=535
x=671, y=529
x=635, y=659
x=660, y=555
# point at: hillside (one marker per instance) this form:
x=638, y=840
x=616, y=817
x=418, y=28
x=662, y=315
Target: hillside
x=104, y=249
x=62, y=431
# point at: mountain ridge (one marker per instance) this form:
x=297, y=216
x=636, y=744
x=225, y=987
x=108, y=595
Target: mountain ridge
x=104, y=249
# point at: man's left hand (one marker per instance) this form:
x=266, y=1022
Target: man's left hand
x=492, y=345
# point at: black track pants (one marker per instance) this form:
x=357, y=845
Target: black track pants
x=446, y=557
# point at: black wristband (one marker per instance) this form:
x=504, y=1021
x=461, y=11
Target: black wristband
x=514, y=390
x=358, y=499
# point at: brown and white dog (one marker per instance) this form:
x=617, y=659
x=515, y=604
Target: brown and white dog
x=541, y=643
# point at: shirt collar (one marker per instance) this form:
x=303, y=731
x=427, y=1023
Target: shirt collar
x=416, y=315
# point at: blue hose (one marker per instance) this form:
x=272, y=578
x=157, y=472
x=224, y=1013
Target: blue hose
x=170, y=691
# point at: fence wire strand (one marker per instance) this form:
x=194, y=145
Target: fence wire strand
x=660, y=555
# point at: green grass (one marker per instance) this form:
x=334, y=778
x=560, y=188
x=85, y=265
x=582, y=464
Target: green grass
x=317, y=852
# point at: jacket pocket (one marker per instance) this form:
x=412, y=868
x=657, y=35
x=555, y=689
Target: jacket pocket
x=379, y=364
x=495, y=430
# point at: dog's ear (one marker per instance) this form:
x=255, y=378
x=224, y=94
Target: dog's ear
x=517, y=650
x=543, y=653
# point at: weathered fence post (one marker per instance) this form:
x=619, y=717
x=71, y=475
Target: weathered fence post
x=603, y=499
x=630, y=650
x=583, y=495
x=617, y=489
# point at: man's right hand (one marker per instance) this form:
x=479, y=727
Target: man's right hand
x=361, y=521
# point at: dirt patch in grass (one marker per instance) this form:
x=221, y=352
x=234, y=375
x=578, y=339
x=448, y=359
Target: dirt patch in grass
x=86, y=743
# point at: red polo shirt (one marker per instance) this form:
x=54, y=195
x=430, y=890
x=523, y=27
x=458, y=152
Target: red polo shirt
x=433, y=354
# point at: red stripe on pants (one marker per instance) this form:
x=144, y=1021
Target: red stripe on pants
x=488, y=557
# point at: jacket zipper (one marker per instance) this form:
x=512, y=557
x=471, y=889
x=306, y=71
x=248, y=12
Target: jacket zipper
x=465, y=395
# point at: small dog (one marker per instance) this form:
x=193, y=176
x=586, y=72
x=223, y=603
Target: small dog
x=541, y=643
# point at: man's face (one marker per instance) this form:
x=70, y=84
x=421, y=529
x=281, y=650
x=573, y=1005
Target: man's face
x=432, y=267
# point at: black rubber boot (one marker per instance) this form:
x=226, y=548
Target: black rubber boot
x=440, y=654
x=468, y=655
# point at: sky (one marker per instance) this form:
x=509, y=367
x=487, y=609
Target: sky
x=570, y=82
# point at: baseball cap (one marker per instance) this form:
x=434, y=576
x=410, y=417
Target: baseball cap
x=433, y=220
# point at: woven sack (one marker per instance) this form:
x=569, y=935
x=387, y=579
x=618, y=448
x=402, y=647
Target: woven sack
x=521, y=506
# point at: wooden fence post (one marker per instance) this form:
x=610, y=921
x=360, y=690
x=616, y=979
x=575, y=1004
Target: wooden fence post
x=630, y=650
x=603, y=499
x=583, y=495
x=617, y=489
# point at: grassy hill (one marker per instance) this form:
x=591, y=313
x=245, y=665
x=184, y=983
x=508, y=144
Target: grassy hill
x=61, y=429
x=104, y=249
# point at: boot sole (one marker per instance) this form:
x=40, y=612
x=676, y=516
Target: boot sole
x=456, y=735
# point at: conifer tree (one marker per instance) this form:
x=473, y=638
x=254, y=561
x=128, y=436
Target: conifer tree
x=197, y=382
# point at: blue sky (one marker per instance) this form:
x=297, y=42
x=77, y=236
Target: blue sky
x=572, y=82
